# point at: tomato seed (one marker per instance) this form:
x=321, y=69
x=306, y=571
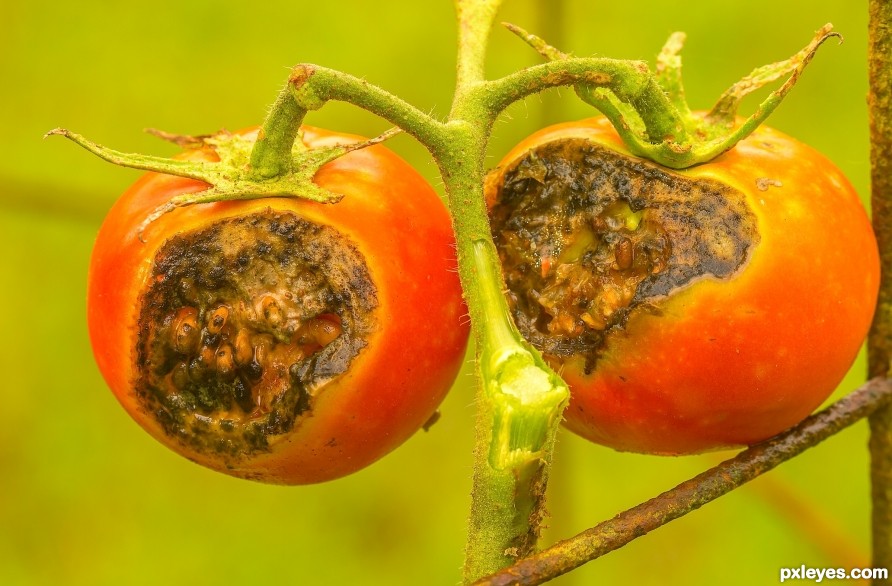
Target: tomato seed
x=624, y=253
x=217, y=319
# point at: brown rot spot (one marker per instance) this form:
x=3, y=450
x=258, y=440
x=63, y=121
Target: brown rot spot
x=763, y=183
x=585, y=235
x=243, y=323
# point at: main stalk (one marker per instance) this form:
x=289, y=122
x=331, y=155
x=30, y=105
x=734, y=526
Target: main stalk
x=519, y=399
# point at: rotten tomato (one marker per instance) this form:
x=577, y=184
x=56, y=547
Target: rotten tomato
x=687, y=310
x=280, y=339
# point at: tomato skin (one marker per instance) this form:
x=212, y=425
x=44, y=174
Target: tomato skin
x=729, y=362
x=409, y=362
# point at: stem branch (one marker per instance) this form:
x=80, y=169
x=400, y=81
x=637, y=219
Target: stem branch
x=629, y=80
x=475, y=19
x=271, y=156
x=313, y=85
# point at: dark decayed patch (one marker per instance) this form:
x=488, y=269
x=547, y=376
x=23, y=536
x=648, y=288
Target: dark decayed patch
x=585, y=235
x=242, y=324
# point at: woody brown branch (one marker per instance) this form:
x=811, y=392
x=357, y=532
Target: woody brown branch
x=880, y=339
x=696, y=492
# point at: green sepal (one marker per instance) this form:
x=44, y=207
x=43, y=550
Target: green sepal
x=230, y=178
x=667, y=132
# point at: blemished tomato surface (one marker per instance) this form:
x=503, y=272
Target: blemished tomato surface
x=732, y=361
x=407, y=364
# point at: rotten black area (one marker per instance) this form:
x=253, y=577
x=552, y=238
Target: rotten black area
x=242, y=324
x=587, y=235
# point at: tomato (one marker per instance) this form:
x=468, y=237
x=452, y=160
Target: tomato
x=280, y=339
x=687, y=310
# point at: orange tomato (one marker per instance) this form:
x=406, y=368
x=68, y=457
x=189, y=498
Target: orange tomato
x=687, y=310
x=280, y=339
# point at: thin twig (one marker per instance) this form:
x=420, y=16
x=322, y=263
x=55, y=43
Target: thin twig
x=693, y=494
x=880, y=339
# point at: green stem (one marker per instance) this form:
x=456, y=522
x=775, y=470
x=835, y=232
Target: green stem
x=475, y=20
x=650, y=113
x=519, y=399
x=631, y=80
x=314, y=85
x=880, y=338
x=519, y=407
x=271, y=156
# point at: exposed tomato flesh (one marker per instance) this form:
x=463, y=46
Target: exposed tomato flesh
x=587, y=234
x=244, y=322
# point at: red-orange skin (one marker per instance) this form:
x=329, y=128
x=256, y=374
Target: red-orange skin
x=395, y=219
x=732, y=362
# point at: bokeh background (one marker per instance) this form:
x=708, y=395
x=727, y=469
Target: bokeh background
x=87, y=498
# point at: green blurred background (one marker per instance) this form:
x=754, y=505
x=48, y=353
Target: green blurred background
x=87, y=498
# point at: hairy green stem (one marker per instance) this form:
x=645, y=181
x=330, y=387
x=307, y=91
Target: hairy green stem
x=271, y=156
x=651, y=114
x=519, y=399
x=314, y=85
x=519, y=403
x=880, y=338
x=475, y=19
x=630, y=79
x=873, y=396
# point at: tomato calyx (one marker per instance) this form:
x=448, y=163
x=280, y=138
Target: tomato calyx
x=231, y=176
x=666, y=130
x=586, y=235
x=241, y=329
